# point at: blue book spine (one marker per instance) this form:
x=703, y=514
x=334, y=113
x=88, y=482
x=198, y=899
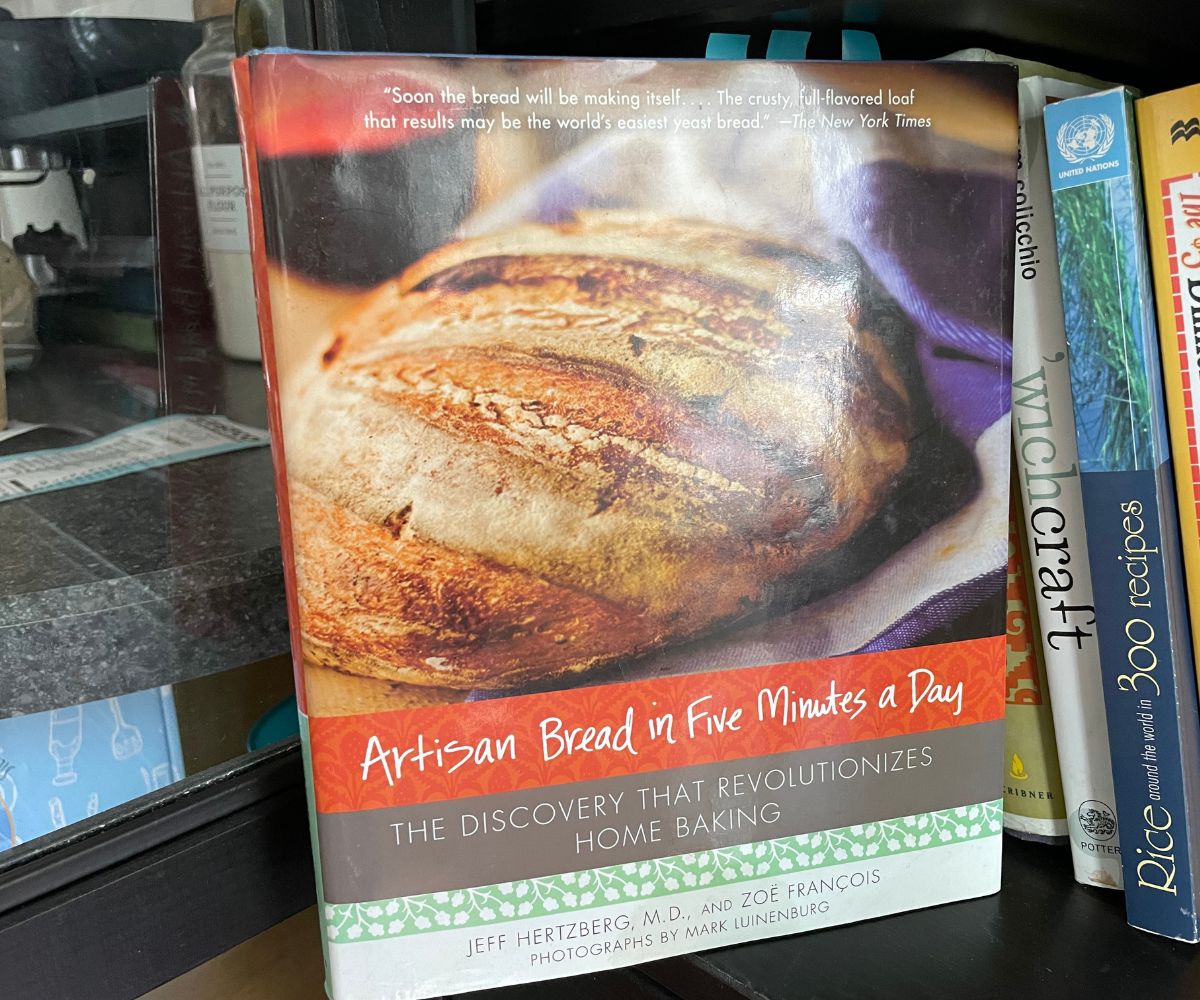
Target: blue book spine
x=1129, y=506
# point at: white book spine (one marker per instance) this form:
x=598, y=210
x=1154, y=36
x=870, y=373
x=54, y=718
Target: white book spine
x=1052, y=502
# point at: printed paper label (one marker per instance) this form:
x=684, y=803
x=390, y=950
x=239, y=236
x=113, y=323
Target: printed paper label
x=147, y=445
x=221, y=198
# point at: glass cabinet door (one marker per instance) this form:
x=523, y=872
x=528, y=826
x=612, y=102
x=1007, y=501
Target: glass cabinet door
x=143, y=630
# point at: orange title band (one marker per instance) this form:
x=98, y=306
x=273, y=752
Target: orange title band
x=482, y=748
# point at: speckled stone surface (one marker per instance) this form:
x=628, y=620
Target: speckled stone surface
x=148, y=579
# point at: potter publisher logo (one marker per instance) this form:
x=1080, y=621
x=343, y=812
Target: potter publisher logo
x=1097, y=820
x=1185, y=130
x=1086, y=137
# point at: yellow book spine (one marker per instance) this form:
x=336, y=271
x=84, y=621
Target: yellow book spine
x=1168, y=128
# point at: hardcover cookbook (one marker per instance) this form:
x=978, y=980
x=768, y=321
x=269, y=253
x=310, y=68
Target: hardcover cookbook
x=1133, y=527
x=642, y=436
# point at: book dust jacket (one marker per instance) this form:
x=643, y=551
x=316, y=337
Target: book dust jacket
x=642, y=435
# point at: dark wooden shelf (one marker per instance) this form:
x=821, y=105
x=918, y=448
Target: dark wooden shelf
x=140, y=894
x=1042, y=937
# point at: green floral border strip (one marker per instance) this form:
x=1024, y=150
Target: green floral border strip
x=497, y=904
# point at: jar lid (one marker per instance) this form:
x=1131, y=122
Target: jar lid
x=203, y=10
x=30, y=158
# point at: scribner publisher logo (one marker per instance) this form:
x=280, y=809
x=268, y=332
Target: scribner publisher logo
x=1097, y=820
x=1185, y=130
x=1086, y=137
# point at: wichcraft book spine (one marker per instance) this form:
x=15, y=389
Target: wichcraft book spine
x=1169, y=143
x=1046, y=460
x=1033, y=796
x=644, y=539
x=1129, y=505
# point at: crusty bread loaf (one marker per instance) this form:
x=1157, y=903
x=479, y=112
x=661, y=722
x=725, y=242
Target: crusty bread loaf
x=541, y=451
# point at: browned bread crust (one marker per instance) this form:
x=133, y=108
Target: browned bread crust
x=541, y=451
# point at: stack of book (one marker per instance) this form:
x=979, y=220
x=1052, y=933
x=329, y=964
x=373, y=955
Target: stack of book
x=1107, y=474
x=642, y=435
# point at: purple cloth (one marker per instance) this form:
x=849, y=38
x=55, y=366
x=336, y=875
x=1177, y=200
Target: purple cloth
x=902, y=220
x=934, y=614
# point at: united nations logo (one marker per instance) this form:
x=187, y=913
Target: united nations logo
x=1097, y=820
x=1087, y=137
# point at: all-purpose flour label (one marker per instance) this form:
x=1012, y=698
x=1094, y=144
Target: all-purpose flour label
x=221, y=198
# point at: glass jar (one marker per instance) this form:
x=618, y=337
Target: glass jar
x=220, y=187
x=259, y=24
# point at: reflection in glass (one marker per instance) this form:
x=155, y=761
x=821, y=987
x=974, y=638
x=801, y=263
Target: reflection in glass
x=66, y=737
x=8, y=801
x=126, y=739
x=70, y=763
x=64, y=765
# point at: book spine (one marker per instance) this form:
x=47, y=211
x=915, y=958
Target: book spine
x=244, y=95
x=1129, y=510
x=1169, y=145
x=1047, y=468
x=1033, y=796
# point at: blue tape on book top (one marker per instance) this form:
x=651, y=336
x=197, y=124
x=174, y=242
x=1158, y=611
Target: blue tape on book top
x=859, y=46
x=790, y=46
x=726, y=46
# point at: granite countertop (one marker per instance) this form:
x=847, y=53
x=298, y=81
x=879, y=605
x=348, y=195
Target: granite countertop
x=147, y=579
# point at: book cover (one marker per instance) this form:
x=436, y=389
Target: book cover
x=1129, y=504
x=1047, y=466
x=642, y=440
x=1168, y=131
x=1033, y=795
